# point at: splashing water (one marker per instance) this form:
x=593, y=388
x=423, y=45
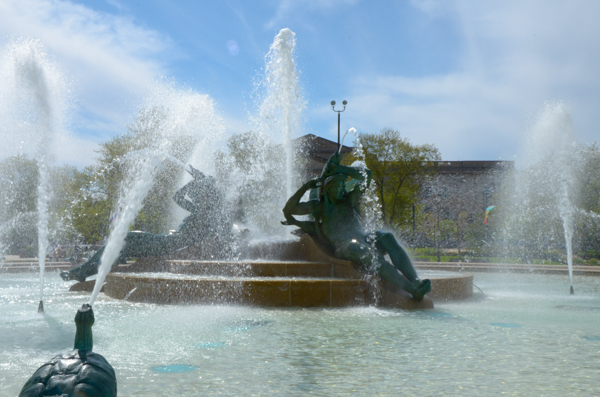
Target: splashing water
x=282, y=107
x=370, y=205
x=134, y=190
x=37, y=97
x=183, y=115
x=552, y=157
x=260, y=162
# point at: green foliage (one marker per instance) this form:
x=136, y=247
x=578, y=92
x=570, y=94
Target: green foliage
x=18, y=186
x=588, y=224
x=98, y=187
x=18, y=202
x=529, y=218
x=589, y=179
x=255, y=168
x=92, y=204
x=398, y=171
x=60, y=221
x=19, y=179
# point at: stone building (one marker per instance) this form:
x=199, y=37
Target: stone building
x=458, y=189
x=463, y=187
x=316, y=151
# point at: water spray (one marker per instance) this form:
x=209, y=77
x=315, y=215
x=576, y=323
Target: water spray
x=39, y=102
x=282, y=107
x=353, y=130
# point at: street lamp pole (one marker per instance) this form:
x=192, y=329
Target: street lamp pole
x=338, y=112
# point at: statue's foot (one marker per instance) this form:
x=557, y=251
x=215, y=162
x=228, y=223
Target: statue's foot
x=422, y=288
x=71, y=275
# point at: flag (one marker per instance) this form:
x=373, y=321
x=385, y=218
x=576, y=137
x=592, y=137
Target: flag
x=114, y=217
x=487, y=211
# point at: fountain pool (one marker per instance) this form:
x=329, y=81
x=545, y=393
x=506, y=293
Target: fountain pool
x=524, y=337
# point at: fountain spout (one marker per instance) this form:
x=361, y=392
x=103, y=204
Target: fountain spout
x=41, y=307
x=84, y=319
x=78, y=373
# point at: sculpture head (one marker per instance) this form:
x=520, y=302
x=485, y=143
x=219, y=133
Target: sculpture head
x=195, y=173
x=203, y=188
x=334, y=187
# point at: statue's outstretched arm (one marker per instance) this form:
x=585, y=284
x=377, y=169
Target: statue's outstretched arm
x=180, y=199
x=196, y=183
x=295, y=207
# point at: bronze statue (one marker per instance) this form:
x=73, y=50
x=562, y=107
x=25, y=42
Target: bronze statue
x=336, y=222
x=79, y=373
x=207, y=217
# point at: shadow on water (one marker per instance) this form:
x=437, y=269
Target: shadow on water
x=43, y=332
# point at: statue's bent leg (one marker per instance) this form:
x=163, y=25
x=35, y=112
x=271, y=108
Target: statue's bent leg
x=387, y=242
x=89, y=268
x=368, y=257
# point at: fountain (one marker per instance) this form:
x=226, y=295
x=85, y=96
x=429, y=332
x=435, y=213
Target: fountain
x=281, y=109
x=81, y=372
x=219, y=332
x=547, y=189
x=38, y=97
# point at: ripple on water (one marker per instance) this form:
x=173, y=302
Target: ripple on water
x=506, y=325
x=174, y=368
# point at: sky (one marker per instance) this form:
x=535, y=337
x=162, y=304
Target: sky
x=469, y=77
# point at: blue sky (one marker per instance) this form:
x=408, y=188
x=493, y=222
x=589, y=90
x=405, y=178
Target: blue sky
x=467, y=76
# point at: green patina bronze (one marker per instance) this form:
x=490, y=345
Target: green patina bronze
x=78, y=373
x=336, y=222
x=201, y=197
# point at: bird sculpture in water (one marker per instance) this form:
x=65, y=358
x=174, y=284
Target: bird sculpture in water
x=77, y=373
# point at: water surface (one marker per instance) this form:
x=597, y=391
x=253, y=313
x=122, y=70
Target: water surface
x=526, y=336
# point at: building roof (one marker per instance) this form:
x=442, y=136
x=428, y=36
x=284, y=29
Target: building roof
x=317, y=150
x=318, y=147
x=449, y=167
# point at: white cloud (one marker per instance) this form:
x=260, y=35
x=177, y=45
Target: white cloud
x=516, y=56
x=110, y=60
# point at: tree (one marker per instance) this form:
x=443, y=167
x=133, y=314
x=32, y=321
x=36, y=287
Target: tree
x=398, y=171
x=98, y=187
x=18, y=205
x=60, y=217
x=253, y=172
x=588, y=200
x=92, y=204
x=19, y=178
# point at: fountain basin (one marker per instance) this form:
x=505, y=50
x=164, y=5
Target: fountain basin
x=308, y=277
x=256, y=291
x=286, y=286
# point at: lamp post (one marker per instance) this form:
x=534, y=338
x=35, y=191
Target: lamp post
x=338, y=112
